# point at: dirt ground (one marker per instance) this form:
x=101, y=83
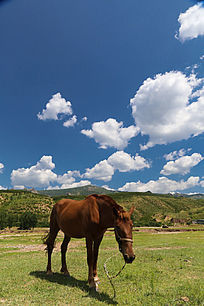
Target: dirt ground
x=4, y=234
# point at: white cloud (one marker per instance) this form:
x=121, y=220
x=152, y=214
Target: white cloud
x=42, y=176
x=39, y=175
x=176, y=154
x=45, y=163
x=70, y=185
x=2, y=188
x=101, y=171
x=162, y=109
x=71, y=122
x=182, y=165
x=111, y=133
x=53, y=187
x=20, y=187
x=68, y=178
x=202, y=183
x=76, y=184
x=191, y=23
x=124, y=162
x=162, y=185
x=1, y=167
x=121, y=161
x=57, y=105
x=108, y=188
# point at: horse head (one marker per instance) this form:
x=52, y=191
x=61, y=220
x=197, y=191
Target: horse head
x=123, y=233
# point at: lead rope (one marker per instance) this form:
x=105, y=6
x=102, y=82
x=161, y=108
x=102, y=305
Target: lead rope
x=114, y=276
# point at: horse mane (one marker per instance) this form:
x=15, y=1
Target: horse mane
x=108, y=200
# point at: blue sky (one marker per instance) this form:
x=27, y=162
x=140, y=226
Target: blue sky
x=109, y=93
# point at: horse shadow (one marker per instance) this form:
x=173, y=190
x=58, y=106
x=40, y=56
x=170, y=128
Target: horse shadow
x=71, y=281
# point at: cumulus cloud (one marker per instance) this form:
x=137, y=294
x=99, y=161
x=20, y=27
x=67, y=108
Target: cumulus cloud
x=182, y=165
x=76, y=184
x=111, y=133
x=45, y=163
x=162, y=108
x=1, y=167
x=108, y=188
x=19, y=187
x=191, y=23
x=101, y=171
x=202, y=183
x=56, y=106
x=124, y=162
x=162, y=185
x=39, y=175
x=68, y=178
x=42, y=176
x=176, y=154
x=120, y=161
x=2, y=188
x=71, y=122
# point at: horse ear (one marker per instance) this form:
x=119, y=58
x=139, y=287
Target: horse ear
x=131, y=210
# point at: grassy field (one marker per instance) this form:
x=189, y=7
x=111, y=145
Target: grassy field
x=168, y=270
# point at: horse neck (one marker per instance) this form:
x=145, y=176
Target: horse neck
x=106, y=215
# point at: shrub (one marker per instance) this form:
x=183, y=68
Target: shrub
x=11, y=220
x=27, y=220
x=43, y=221
x=3, y=220
x=146, y=221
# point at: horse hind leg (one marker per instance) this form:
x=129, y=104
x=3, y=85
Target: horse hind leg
x=50, y=239
x=63, y=254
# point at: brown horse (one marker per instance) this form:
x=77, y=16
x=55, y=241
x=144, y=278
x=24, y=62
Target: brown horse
x=90, y=218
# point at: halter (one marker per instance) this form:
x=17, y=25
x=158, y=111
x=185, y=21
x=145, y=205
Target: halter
x=119, y=239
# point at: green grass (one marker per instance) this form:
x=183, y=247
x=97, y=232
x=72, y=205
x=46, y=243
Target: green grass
x=168, y=270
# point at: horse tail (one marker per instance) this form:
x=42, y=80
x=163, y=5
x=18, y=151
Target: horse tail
x=54, y=229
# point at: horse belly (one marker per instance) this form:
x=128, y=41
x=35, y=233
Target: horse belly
x=71, y=230
x=71, y=223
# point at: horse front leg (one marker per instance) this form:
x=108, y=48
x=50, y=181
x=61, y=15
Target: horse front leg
x=96, y=249
x=90, y=261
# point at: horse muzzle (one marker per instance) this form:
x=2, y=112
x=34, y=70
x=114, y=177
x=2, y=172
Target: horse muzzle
x=128, y=259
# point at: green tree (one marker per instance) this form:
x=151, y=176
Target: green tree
x=3, y=220
x=27, y=220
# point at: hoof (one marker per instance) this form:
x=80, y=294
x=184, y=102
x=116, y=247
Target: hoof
x=94, y=286
x=96, y=280
x=49, y=273
x=66, y=273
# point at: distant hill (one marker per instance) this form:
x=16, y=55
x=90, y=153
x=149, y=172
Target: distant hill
x=16, y=202
x=150, y=209
x=162, y=207
x=195, y=196
x=85, y=190
x=192, y=196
